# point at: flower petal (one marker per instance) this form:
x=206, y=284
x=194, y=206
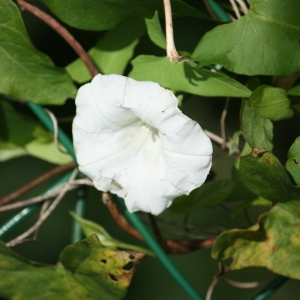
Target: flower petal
x=131, y=139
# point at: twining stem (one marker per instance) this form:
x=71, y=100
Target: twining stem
x=55, y=129
x=171, y=49
x=173, y=246
x=222, y=123
x=36, y=182
x=71, y=184
x=63, y=32
x=235, y=9
x=47, y=209
x=243, y=6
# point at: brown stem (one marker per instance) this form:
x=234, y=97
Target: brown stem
x=63, y=32
x=222, y=123
x=35, y=182
x=108, y=200
x=173, y=246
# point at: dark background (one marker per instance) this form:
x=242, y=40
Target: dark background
x=151, y=280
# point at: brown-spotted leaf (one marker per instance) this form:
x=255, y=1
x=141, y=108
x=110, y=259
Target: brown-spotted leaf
x=262, y=173
x=273, y=243
x=88, y=270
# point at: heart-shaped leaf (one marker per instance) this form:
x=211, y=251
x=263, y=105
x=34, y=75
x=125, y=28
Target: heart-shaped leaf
x=265, y=41
x=106, y=14
x=26, y=73
x=182, y=77
x=271, y=103
x=112, y=53
x=257, y=131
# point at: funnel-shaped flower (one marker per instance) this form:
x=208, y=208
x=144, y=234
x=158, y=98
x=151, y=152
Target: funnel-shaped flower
x=132, y=140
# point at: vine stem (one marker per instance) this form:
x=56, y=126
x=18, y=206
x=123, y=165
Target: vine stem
x=63, y=32
x=47, y=209
x=36, y=181
x=171, y=49
x=222, y=123
x=173, y=246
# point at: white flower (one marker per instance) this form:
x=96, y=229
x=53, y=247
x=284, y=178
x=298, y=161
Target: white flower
x=132, y=140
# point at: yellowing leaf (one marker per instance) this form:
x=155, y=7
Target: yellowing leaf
x=88, y=270
x=272, y=243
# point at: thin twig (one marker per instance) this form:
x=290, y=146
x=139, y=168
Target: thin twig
x=44, y=215
x=55, y=129
x=171, y=49
x=222, y=123
x=243, y=285
x=189, y=235
x=231, y=17
x=28, y=202
x=70, y=184
x=36, y=182
x=211, y=288
x=211, y=229
x=219, y=140
x=243, y=6
x=174, y=246
x=235, y=8
x=63, y=32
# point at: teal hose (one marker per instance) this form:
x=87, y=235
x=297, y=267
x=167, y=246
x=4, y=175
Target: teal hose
x=271, y=288
x=164, y=259
x=46, y=120
x=159, y=252
x=67, y=143
x=218, y=11
x=79, y=208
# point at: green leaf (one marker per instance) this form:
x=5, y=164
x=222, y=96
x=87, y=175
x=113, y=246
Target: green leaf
x=293, y=162
x=88, y=271
x=182, y=77
x=43, y=147
x=155, y=32
x=10, y=151
x=112, y=53
x=106, y=14
x=256, y=201
x=262, y=174
x=27, y=74
x=257, y=131
x=271, y=103
x=272, y=243
x=263, y=42
x=294, y=91
x=12, y=139
x=209, y=194
x=89, y=227
x=11, y=120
